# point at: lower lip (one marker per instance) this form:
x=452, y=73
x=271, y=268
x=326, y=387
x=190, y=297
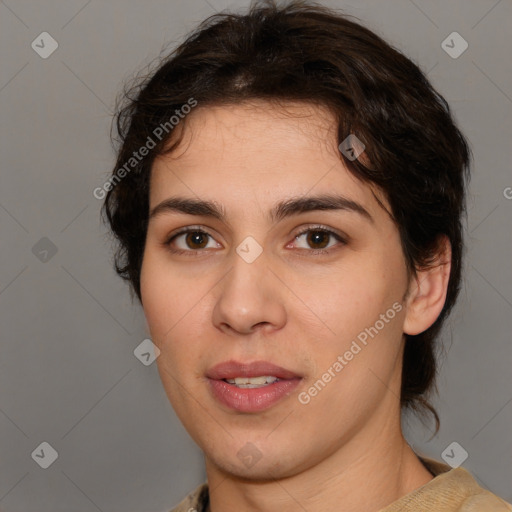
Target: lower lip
x=252, y=399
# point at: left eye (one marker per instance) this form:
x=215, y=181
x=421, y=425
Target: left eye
x=318, y=239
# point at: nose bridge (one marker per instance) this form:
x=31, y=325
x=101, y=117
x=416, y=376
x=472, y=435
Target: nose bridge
x=248, y=296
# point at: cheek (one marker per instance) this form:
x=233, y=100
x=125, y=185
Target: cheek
x=174, y=306
x=161, y=298
x=154, y=298
x=352, y=298
x=362, y=305
x=356, y=364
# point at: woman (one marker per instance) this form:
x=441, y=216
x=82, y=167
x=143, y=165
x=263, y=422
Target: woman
x=287, y=199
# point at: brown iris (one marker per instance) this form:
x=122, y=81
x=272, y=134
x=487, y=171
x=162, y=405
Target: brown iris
x=199, y=240
x=315, y=237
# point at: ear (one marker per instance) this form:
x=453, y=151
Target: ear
x=427, y=290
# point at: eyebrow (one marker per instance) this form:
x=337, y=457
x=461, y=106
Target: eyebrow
x=283, y=209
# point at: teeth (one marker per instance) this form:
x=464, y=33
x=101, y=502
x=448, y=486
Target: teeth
x=252, y=382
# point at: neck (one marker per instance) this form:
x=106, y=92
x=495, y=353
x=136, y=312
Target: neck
x=369, y=473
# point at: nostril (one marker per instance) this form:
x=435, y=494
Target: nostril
x=260, y=325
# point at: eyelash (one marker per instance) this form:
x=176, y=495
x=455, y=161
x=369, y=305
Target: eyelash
x=315, y=252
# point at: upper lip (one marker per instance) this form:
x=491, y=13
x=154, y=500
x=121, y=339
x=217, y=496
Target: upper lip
x=232, y=369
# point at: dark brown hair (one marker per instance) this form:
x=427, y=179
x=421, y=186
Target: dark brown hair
x=307, y=52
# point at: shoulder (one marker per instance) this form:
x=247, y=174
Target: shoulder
x=484, y=501
x=451, y=490
x=195, y=501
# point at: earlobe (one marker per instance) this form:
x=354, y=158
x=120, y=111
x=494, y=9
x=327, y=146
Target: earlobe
x=427, y=291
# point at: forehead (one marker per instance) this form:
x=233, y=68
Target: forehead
x=256, y=150
x=257, y=127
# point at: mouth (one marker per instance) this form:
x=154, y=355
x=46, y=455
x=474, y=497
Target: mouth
x=251, y=387
x=252, y=382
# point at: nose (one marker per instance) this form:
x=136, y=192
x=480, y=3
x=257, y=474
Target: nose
x=250, y=298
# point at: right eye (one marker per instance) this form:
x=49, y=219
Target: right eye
x=189, y=240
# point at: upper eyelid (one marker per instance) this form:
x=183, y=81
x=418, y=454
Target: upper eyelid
x=187, y=229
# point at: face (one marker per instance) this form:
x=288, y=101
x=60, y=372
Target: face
x=308, y=293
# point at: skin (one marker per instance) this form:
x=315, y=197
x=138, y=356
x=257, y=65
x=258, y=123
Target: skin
x=344, y=450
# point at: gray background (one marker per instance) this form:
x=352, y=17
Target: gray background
x=68, y=375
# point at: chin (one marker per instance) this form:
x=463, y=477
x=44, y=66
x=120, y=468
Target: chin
x=261, y=471
x=258, y=461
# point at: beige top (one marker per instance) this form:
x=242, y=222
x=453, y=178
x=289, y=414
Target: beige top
x=451, y=490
